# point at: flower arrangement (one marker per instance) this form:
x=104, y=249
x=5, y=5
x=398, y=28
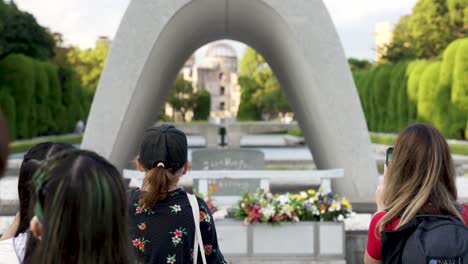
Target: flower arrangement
x=208, y=199
x=265, y=207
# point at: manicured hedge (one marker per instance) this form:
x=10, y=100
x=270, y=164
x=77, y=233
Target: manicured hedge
x=37, y=100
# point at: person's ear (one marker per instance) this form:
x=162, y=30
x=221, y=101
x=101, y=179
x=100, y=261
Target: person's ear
x=186, y=167
x=139, y=166
x=36, y=227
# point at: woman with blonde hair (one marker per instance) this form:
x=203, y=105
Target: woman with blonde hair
x=419, y=180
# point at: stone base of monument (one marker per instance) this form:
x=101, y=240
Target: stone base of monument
x=303, y=242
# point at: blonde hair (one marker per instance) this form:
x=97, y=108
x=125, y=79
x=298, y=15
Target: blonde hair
x=420, y=177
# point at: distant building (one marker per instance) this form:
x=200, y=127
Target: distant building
x=383, y=37
x=218, y=75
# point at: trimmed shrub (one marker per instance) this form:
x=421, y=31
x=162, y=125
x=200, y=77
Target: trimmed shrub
x=448, y=117
x=7, y=106
x=44, y=116
x=17, y=73
x=380, y=88
x=427, y=92
x=54, y=100
x=414, y=72
x=460, y=76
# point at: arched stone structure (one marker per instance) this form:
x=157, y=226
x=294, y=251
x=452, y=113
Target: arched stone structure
x=297, y=38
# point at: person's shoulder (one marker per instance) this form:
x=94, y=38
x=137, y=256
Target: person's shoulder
x=7, y=251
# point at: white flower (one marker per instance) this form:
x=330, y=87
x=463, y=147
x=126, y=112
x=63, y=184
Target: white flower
x=303, y=194
x=268, y=211
x=283, y=199
x=340, y=218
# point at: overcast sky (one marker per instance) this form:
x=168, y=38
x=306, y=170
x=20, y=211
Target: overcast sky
x=82, y=21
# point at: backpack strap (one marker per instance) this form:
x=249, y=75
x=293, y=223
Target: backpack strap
x=198, y=244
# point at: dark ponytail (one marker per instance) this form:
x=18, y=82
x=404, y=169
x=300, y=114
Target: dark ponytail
x=157, y=182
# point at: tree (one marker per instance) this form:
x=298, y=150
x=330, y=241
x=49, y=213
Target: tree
x=357, y=64
x=247, y=109
x=20, y=33
x=263, y=89
x=269, y=98
x=430, y=28
x=89, y=63
x=251, y=62
x=202, y=105
x=181, y=96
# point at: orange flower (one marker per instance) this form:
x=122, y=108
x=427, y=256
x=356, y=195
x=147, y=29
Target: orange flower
x=142, y=226
x=323, y=207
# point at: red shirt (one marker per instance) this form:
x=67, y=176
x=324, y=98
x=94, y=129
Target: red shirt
x=374, y=244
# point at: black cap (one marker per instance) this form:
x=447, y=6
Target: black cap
x=164, y=144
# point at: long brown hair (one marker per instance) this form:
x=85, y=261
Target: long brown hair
x=420, y=176
x=157, y=182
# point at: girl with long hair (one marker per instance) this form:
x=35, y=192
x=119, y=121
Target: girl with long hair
x=18, y=243
x=162, y=226
x=80, y=211
x=420, y=179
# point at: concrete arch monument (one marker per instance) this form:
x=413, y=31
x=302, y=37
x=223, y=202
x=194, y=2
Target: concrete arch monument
x=297, y=38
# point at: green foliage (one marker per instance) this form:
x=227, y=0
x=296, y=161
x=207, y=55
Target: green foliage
x=8, y=108
x=17, y=73
x=448, y=117
x=89, y=63
x=261, y=91
x=181, y=96
x=357, y=64
x=427, y=92
x=430, y=28
x=460, y=77
x=247, y=109
x=251, y=62
x=71, y=98
x=380, y=93
x=54, y=100
x=202, y=105
x=20, y=33
x=44, y=116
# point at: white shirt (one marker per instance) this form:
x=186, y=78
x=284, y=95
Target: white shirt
x=12, y=250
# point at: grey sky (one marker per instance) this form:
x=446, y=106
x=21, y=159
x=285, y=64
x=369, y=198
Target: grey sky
x=82, y=21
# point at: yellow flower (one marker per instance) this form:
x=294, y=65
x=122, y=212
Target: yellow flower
x=295, y=196
x=303, y=195
x=311, y=192
x=345, y=203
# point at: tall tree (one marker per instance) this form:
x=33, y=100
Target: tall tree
x=181, y=96
x=430, y=28
x=20, y=33
x=89, y=63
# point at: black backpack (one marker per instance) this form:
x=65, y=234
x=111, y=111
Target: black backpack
x=427, y=239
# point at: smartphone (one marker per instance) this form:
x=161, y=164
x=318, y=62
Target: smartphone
x=389, y=155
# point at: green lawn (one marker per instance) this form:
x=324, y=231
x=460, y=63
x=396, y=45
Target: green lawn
x=24, y=145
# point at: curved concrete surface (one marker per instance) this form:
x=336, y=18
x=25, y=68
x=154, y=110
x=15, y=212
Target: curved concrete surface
x=299, y=41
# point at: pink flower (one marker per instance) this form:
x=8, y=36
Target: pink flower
x=136, y=242
x=139, y=210
x=178, y=233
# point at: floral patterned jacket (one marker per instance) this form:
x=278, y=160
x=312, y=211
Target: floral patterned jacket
x=165, y=233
